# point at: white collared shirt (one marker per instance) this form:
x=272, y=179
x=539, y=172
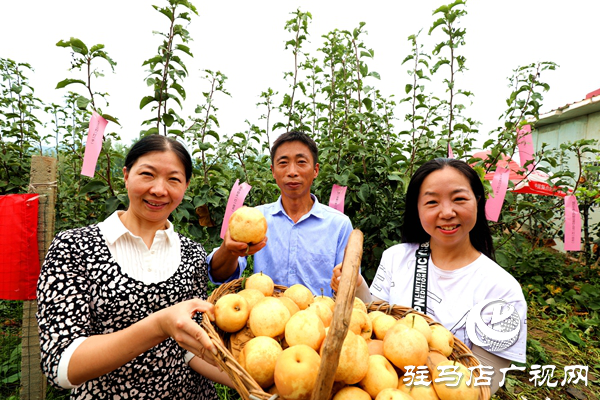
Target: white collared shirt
x=149, y=265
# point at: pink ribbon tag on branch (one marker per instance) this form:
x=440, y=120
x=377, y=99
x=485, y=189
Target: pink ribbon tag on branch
x=93, y=144
x=338, y=194
x=493, y=205
x=572, y=224
x=450, y=153
x=525, y=143
x=236, y=200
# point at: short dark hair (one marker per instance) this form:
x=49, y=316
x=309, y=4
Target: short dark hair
x=156, y=142
x=412, y=230
x=296, y=136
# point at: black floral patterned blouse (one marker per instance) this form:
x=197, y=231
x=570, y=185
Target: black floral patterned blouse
x=83, y=292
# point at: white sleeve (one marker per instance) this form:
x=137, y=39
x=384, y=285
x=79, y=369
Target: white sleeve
x=188, y=357
x=509, y=290
x=63, y=365
x=380, y=287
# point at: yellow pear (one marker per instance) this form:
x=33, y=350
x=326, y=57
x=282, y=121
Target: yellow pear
x=305, y=327
x=360, y=324
x=301, y=295
x=393, y=394
x=405, y=346
x=446, y=390
x=231, y=312
x=420, y=392
x=290, y=304
x=325, y=299
x=247, y=225
x=268, y=317
x=375, y=314
x=380, y=375
x=359, y=304
x=441, y=339
x=381, y=325
x=354, y=359
x=323, y=311
x=258, y=358
x=351, y=393
x=252, y=296
x=262, y=282
x=434, y=358
x=417, y=322
x=375, y=347
x=296, y=372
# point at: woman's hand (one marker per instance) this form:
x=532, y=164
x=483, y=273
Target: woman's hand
x=335, y=277
x=177, y=322
x=101, y=354
x=361, y=291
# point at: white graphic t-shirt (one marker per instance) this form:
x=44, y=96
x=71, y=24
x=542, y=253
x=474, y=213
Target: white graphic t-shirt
x=452, y=294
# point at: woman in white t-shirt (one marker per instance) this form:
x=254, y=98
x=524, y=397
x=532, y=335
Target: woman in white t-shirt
x=445, y=206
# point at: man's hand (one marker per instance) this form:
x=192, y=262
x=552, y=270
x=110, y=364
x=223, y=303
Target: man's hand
x=241, y=249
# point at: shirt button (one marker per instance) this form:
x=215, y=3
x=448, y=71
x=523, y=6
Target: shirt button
x=152, y=252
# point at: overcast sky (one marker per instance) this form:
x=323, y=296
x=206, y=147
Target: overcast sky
x=245, y=40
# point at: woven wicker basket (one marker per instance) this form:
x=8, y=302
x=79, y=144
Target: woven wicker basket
x=247, y=386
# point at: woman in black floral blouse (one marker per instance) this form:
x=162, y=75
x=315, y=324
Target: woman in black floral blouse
x=119, y=302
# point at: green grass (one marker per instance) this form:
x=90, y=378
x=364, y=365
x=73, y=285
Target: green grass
x=11, y=314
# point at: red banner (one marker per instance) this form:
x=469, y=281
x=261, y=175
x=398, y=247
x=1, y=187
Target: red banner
x=19, y=258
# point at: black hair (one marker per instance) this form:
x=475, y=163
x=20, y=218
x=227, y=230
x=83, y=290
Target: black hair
x=296, y=136
x=412, y=230
x=157, y=142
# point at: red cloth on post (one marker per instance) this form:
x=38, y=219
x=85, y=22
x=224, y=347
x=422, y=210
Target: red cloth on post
x=19, y=258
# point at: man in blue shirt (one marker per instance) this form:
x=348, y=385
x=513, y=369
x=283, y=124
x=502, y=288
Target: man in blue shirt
x=306, y=238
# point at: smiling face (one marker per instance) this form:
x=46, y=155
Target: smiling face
x=294, y=169
x=155, y=185
x=447, y=208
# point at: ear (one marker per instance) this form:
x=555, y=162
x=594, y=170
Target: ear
x=272, y=172
x=316, y=170
x=125, y=176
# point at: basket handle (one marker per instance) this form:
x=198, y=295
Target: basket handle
x=341, y=316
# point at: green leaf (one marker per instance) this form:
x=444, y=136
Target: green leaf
x=185, y=49
x=92, y=186
x=363, y=193
x=112, y=204
x=67, y=82
x=78, y=46
x=82, y=102
x=573, y=337
x=168, y=119
x=146, y=100
x=179, y=89
x=111, y=119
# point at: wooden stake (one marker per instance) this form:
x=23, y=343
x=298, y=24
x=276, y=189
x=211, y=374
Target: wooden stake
x=42, y=181
x=341, y=317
